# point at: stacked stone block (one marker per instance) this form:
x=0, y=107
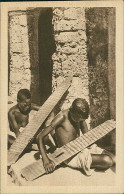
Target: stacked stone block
x=71, y=51
x=82, y=41
x=19, y=60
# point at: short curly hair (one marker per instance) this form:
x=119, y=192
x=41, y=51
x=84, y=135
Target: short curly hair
x=23, y=93
x=81, y=107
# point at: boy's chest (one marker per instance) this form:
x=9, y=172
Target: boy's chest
x=20, y=118
x=71, y=128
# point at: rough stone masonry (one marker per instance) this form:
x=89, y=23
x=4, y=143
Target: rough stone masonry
x=70, y=57
x=19, y=57
x=82, y=42
x=71, y=51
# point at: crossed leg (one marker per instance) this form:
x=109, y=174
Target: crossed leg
x=103, y=161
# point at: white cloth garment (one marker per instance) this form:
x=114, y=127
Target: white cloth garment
x=83, y=159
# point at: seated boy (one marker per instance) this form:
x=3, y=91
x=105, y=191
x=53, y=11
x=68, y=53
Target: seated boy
x=18, y=115
x=67, y=125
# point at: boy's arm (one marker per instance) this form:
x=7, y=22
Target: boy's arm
x=49, y=119
x=35, y=106
x=13, y=123
x=48, y=164
x=83, y=127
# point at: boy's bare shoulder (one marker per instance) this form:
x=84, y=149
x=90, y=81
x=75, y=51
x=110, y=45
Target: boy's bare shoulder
x=13, y=109
x=64, y=113
x=61, y=115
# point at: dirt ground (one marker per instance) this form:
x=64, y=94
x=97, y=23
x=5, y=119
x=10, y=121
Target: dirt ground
x=62, y=176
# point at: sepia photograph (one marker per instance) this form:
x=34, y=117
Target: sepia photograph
x=61, y=110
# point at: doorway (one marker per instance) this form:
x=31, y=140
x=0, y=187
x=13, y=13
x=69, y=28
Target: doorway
x=46, y=45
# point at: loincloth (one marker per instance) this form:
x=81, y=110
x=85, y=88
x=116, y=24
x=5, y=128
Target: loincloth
x=83, y=159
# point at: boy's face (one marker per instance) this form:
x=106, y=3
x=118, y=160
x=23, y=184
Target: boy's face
x=76, y=117
x=24, y=104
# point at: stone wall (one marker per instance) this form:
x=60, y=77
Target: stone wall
x=71, y=51
x=97, y=52
x=112, y=61
x=62, y=41
x=100, y=32
x=19, y=59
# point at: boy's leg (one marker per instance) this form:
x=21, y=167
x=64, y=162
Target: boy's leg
x=48, y=142
x=11, y=140
x=110, y=154
x=102, y=162
x=81, y=161
x=87, y=160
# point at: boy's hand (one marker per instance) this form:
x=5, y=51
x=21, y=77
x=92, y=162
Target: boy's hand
x=49, y=165
x=17, y=133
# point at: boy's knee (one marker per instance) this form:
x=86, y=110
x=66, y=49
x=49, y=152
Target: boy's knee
x=107, y=160
x=11, y=139
x=46, y=138
x=37, y=138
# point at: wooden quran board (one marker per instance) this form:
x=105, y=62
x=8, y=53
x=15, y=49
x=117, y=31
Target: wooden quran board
x=36, y=169
x=30, y=130
x=62, y=176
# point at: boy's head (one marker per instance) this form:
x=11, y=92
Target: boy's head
x=24, y=100
x=79, y=110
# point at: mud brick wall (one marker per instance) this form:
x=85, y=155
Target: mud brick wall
x=19, y=60
x=71, y=51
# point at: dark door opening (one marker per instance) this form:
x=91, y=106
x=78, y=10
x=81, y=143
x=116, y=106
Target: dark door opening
x=47, y=47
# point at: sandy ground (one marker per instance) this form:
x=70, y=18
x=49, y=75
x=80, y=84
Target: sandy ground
x=70, y=177
x=62, y=176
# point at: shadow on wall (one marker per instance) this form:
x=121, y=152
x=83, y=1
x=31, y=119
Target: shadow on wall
x=42, y=46
x=46, y=49
x=97, y=52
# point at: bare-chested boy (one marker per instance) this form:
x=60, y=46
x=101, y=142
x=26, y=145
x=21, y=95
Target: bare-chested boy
x=67, y=125
x=18, y=115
